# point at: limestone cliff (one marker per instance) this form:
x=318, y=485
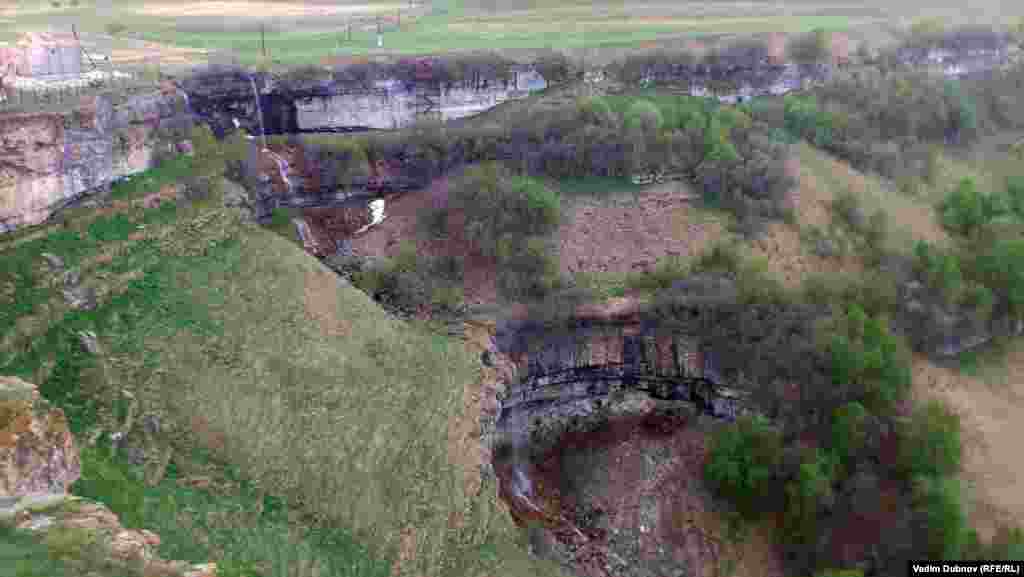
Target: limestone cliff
x=48, y=160
x=38, y=457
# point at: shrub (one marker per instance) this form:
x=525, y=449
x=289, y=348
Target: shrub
x=873, y=291
x=596, y=110
x=104, y=479
x=806, y=494
x=527, y=268
x=500, y=205
x=1015, y=192
x=742, y=463
x=554, y=66
x=210, y=162
x=930, y=441
x=665, y=273
x=1007, y=543
x=115, y=28
x=868, y=363
x=941, y=517
x=809, y=48
x=940, y=270
x=849, y=432
x=965, y=210
x=1001, y=267
x=643, y=116
x=408, y=282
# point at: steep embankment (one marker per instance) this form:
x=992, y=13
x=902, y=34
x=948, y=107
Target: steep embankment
x=244, y=347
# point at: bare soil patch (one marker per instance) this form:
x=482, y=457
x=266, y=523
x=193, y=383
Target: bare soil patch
x=823, y=178
x=403, y=211
x=321, y=300
x=623, y=235
x=992, y=430
x=634, y=490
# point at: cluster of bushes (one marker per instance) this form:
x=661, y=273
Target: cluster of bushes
x=721, y=61
x=508, y=217
x=409, y=284
x=984, y=271
x=816, y=475
x=476, y=67
x=889, y=123
x=203, y=185
x=733, y=160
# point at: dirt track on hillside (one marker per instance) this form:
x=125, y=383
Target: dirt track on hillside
x=992, y=429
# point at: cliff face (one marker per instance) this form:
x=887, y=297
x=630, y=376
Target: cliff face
x=38, y=458
x=392, y=106
x=50, y=160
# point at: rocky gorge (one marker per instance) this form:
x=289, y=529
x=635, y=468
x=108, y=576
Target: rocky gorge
x=49, y=161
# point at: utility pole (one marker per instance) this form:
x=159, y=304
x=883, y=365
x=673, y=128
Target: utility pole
x=263, y=40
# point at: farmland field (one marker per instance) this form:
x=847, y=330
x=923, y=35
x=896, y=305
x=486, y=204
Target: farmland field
x=307, y=32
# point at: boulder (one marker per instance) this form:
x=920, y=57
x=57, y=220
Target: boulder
x=89, y=342
x=80, y=298
x=38, y=457
x=55, y=262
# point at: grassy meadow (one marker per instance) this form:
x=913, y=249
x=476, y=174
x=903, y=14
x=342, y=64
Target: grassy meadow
x=306, y=32
x=260, y=364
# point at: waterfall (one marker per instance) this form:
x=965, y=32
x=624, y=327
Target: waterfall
x=282, y=168
x=259, y=109
x=184, y=96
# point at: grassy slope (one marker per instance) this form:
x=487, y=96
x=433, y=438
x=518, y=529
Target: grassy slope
x=258, y=357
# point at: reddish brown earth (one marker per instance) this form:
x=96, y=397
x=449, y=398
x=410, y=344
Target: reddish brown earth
x=625, y=234
x=637, y=478
x=402, y=213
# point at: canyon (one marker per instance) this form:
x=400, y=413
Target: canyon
x=49, y=161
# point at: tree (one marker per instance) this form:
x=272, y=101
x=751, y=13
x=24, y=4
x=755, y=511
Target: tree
x=930, y=441
x=742, y=464
x=643, y=123
x=806, y=494
x=941, y=517
x=810, y=48
x=849, y=432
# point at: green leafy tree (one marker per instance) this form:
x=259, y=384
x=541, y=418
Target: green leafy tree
x=930, y=441
x=596, y=110
x=942, y=519
x=849, y=432
x=643, y=122
x=742, y=464
x=966, y=210
x=1001, y=266
x=209, y=166
x=869, y=364
x=805, y=496
x=810, y=48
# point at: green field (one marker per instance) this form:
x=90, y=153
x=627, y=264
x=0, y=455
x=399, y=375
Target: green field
x=297, y=36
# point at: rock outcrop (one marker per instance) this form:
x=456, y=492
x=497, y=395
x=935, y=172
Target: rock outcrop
x=38, y=458
x=38, y=464
x=50, y=160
